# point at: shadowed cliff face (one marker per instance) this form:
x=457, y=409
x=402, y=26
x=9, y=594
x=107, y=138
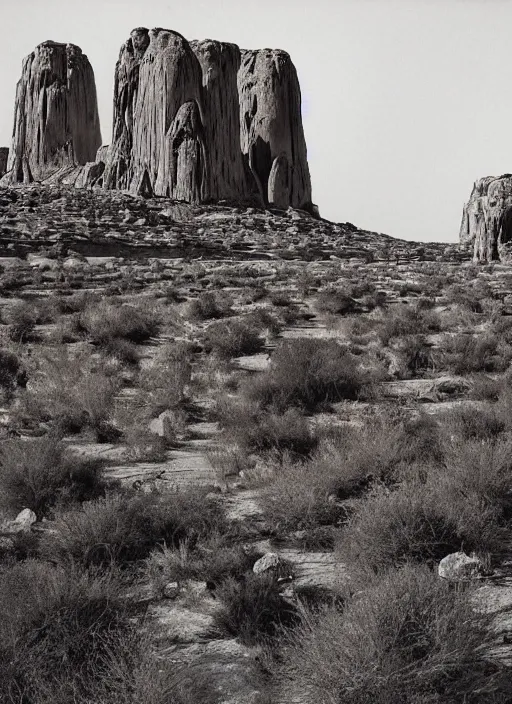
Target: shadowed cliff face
x=126, y=83
x=220, y=63
x=272, y=136
x=56, y=121
x=487, y=219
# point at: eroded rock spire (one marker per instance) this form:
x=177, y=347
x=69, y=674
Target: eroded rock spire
x=56, y=121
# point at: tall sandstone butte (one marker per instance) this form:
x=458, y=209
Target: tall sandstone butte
x=56, y=121
x=202, y=120
x=487, y=219
x=272, y=136
x=195, y=121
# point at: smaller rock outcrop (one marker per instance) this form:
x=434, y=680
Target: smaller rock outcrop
x=487, y=219
x=269, y=561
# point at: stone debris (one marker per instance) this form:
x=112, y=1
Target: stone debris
x=459, y=567
x=270, y=561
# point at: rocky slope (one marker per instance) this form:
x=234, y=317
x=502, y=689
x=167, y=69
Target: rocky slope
x=102, y=223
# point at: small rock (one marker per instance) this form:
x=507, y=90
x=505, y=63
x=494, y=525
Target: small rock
x=269, y=561
x=171, y=590
x=458, y=567
x=25, y=519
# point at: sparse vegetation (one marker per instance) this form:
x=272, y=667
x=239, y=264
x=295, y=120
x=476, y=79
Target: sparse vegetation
x=370, y=438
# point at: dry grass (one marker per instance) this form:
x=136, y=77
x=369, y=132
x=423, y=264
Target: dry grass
x=407, y=638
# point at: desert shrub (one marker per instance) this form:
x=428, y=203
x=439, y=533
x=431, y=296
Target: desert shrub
x=462, y=505
x=265, y=430
x=211, y=560
x=75, y=303
x=337, y=302
x=466, y=354
x=38, y=474
x=468, y=422
x=390, y=529
x=166, y=381
x=417, y=356
x=281, y=298
x=306, y=495
x=261, y=319
x=300, y=497
x=22, y=320
x=232, y=339
x=57, y=628
x=105, y=321
x=209, y=305
x=471, y=299
x=307, y=373
x=404, y=320
x=12, y=373
x=73, y=392
x=123, y=350
x=487, y=388
x=126, y=527
x=252, y=608
x=407, y=639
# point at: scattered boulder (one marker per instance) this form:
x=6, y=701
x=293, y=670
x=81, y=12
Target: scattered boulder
x=269, y=561
x=21, y=524
x=171, y=590
x=459, y=567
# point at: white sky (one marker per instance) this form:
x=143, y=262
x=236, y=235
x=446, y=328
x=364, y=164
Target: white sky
x=405, y=102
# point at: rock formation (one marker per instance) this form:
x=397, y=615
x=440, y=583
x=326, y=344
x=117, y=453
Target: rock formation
x=4, y=158
x=56, y=121
x=201, y=120
x=168, y=138
x=272, y=137
x=487, y=219
x=194, y=121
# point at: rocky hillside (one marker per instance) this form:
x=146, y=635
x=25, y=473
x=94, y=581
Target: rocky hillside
x=103, y=223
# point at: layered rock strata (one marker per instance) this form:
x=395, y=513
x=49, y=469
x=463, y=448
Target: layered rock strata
x=56, y=123
x=487, y=219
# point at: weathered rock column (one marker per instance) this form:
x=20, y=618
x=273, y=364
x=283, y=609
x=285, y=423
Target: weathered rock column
x=272, y=135
x=220, y=63
x=56, y=121
x=169, y=77
x=118, y=157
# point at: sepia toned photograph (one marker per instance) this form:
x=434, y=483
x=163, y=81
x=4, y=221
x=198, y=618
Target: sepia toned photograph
x=256, y=352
